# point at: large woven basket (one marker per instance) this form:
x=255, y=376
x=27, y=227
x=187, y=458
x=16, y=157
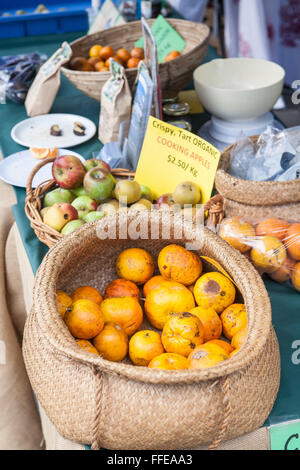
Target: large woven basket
x=49, y=236
x=258, y=199
x=174, y=75
x=121, y=406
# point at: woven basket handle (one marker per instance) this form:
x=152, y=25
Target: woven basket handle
x=34, y=172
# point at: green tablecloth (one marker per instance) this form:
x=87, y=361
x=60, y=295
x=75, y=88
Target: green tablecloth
x=285, y=301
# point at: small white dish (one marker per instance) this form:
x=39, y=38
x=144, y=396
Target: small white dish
x=35, y=131
x=16, y=168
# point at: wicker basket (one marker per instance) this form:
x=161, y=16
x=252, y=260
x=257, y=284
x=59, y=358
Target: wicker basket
x=174, y=75
x=257, y=199
x=120, y=406
x=49, y=236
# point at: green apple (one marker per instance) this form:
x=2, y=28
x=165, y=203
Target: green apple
x=94, y=215
x=79, y=191
x=98, y=184
x=71, y=226
x=84, y=205
x=146, y=193
x=58, y=195
x=128, y=191
x=96, y=163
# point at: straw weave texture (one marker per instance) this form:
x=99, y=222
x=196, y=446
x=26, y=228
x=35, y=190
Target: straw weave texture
x=121, y=406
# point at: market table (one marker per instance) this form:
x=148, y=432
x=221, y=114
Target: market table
x=285, y=301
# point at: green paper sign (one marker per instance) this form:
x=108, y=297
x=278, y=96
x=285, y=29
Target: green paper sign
x=166, y=38
x=285, y=436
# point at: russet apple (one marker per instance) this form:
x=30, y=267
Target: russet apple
x=58, y=195
x=84, y=205
x=68, y=171
x=98, y=184
x=58, y=215
x=96, y=163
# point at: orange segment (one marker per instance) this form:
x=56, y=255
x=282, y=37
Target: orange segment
x=41, y=153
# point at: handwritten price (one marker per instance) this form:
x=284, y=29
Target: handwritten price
x=184, y=165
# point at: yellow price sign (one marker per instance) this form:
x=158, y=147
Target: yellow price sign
x=171, y=155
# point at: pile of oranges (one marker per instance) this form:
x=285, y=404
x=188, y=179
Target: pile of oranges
x=273, y=246
x=99, y=57
x=195, y=322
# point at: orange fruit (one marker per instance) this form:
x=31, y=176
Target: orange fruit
x=273, y=228
x=223, y=344
x=234, y=352
x=211, y=322
x=296, y=276
x=84, y=319
x=182, y=333
x=284, y=272
x=94, y=60
x=144, y=346
x=214, y=290
x=237, y=233
x=87, y=292
x=239, y=338
x=95, y=51
x=64, y=302
x=169, y=361
x=178, y=264
x=153, y=283
x=133, y=62
x=117, y=59
x=172, y=55
x=206, y=355
x=292, y=241
x=234, y=318
x=106, y=52
x=87, y=346
x=122, y=288
x=112, y=342
x=268, y=254
x=99, y=66
x=170, y=297
x=81, y=64
x=126, y=311
x=41, y=153
x=137, y=53
x=123, y=54
x=136, y=265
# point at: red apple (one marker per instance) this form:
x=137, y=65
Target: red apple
x=58, y=215
x=96, y=163
x=68, y=171
x=98, y=184
x=166, y=202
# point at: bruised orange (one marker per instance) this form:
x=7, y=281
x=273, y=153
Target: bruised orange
x=169, y=361
x=233, y=318
x=182, y=333
x=64, y=302
x=153, y=283
x=125, y=311
x=87, y=292
x=292, y=241
x=87, y=346
x=237, y=233
x=136, y=265
x=211, y=322
x=206, y=355
x=84, y=319
x=178, y=264
x=223, y=344
x=144, y=346
x=296, y=276
x=122, y=288
x=239, y=338
x=284, y=273
x=273, y=228
x=214, y=290
x=170, y=297
x=112, y=342
x=268, y=254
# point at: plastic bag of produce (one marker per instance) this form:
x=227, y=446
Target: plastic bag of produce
x=17, y=73
x=272, y=245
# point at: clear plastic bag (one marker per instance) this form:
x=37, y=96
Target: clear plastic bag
x=17, y=74
x=272, y=245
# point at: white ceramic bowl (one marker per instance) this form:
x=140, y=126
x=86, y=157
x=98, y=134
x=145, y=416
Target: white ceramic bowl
x=238, y=89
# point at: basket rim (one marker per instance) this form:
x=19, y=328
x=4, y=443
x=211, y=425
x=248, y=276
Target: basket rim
x=250, y=285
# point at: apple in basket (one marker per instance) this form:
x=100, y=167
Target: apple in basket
x=84, y=205
x=98, y=184
x=58, y=215
x=96, y=163
x=68, y=171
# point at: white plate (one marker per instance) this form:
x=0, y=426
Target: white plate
x=35, y=131
x=16, y=168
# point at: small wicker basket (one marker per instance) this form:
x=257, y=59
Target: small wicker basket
x=257, y=199
x=49, y=236
x=174, y=75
